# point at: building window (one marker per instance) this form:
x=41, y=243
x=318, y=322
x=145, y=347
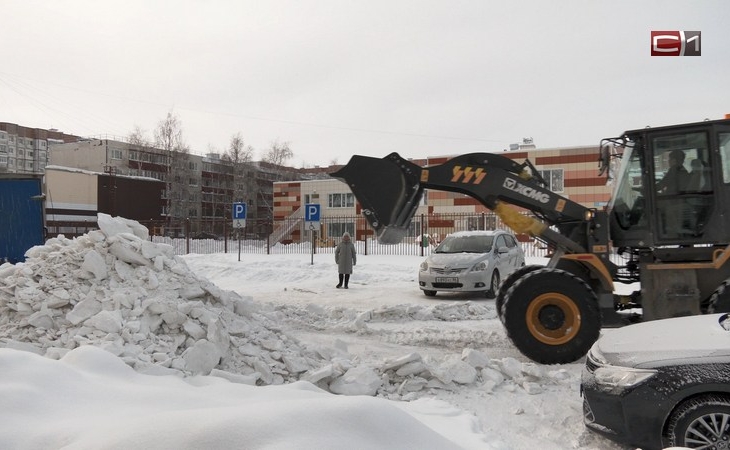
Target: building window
x=341, y=200
x=337, y=229
x=116, y=153
x=554, y=179
x=311, y=198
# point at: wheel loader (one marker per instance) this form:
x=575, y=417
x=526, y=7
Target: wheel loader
x=667, y=222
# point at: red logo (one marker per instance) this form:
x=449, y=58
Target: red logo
x=676, y=43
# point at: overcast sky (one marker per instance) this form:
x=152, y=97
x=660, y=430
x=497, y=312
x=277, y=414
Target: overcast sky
x=335, y=78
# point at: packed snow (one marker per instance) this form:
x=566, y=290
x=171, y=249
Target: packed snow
x=111, y=341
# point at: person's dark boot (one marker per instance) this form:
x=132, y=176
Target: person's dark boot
x=347, y=280
x=339, y=285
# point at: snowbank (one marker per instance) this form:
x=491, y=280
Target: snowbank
x=114, y=289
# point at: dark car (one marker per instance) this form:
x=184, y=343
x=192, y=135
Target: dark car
x=664, y=383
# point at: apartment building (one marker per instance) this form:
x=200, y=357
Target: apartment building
x=196, y=187
x=25, y=150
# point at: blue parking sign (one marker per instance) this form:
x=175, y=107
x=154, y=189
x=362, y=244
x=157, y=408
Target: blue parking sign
x=239, y=211
x=311, y=212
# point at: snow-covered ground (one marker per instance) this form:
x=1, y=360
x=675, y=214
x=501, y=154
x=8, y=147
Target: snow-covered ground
x=111, y=341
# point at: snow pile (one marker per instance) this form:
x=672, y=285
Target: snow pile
x=114, y=289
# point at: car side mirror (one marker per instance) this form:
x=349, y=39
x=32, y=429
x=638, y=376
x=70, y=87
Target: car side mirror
x=503, y=250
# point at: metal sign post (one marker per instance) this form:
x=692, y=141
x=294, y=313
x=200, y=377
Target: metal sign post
x=311, y=219
x=239, y=222
x=311, y=228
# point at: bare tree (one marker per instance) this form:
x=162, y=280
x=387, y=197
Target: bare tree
x=169, y=138
x=169, y=135
x=138, y=137
x=275, y=157
x=278, y=153
x=244, y=180
x=238, y=151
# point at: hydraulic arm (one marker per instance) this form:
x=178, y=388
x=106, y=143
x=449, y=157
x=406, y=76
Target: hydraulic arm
x=391, y=201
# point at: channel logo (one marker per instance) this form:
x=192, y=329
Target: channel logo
x=676, y=43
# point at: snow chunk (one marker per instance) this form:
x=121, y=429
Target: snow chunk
x=201, y=358
x=94, y=263
x=357, y=381
x=107, y=321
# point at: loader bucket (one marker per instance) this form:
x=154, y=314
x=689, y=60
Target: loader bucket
x=388, y=190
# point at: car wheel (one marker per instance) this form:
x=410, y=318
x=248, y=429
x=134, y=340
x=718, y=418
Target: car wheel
x=493, y=285
x=552, y=316
x=701, y=422
x=429, y=293
x=508, y=282
x=720, y=299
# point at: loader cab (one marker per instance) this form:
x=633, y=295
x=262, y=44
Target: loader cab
x=672, y=186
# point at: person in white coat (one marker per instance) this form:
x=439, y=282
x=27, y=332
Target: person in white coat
x=346, y=259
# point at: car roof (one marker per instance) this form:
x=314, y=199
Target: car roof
x=477, y=233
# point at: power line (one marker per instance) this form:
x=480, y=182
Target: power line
x=275, y=120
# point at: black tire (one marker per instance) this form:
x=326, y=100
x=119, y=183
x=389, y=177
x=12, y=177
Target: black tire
x=507, y=283
x=701, y=422
x=720, y=299
x=493, y=285
x=552, y=316
x=429, y=293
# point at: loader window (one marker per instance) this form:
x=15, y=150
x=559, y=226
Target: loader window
x=627, y=201
x=682, y=184
x=724, y=139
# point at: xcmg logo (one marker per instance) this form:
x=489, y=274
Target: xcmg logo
x=676, y=43
x=527, y=191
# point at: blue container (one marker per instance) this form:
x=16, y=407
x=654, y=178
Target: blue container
x=21, y=215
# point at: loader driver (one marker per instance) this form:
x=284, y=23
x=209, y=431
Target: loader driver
x=672, y=212
x=676, y=178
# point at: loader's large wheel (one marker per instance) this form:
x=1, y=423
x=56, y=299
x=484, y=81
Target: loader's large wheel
x=507, y=283
x=720, y=299
x=552, y=316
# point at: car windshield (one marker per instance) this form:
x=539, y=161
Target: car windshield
x=465, y=244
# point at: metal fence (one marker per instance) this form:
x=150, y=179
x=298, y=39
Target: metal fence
x=292, y=235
